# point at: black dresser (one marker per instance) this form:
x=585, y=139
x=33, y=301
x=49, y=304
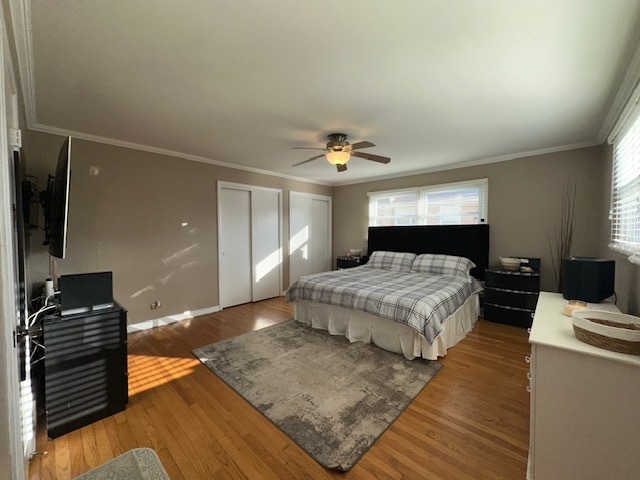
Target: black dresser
x=85, y=368
x=511, y=296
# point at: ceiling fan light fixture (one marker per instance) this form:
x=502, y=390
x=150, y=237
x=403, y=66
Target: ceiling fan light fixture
x=338, y=157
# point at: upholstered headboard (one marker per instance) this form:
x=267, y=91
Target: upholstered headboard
x=470, y=241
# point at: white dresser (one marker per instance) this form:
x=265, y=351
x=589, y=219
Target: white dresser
x=585, y=402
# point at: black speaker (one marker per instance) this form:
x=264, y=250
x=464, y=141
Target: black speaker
x=85, y=292
x=588, y=279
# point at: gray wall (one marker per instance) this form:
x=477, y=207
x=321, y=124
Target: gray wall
x=524, y=204
x=126, y=213
x=127, y=208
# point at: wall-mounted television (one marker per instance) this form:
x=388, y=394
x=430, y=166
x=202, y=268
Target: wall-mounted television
x=55, y=203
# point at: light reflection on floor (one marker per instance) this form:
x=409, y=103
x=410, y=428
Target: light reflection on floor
x=259, y=323
x=147, y=372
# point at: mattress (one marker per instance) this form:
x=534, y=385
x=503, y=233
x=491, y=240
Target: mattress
x=420, y=301
x=359, y=326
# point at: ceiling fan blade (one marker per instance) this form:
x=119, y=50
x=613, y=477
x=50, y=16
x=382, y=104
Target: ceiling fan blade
x=306, y=161
x=356, y=146
x=342, y=168
x=308, y=148
x=369, y=156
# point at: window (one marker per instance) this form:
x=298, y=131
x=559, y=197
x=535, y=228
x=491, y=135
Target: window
x=448, y=204
x=625, y=188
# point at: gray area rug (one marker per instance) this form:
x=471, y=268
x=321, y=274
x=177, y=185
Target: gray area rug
x=333, y=398
x=136, y=464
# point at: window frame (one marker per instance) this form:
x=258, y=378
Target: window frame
x=422, y=193
x=618, y=196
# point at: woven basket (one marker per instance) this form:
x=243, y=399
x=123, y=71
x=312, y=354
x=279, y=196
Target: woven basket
x=615, y=339
x=608, y=343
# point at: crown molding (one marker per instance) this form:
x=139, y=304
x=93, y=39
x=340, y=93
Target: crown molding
x=170, y=153
x=620, y=106
x=21, y=21
x=476, y=162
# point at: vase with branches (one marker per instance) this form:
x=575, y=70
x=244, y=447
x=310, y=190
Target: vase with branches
x=560, y=245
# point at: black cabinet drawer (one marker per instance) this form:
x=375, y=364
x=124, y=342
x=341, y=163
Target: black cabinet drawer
x=519, y=317
x=529, y=282
x=350, y=262
x=82, y=393
x=511, y=298
x=82, y=335
x=85, y=368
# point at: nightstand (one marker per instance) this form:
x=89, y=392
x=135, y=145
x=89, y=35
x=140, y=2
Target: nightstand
x=350, y=262
x=511, y=296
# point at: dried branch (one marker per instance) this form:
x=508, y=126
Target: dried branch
x=563, y=237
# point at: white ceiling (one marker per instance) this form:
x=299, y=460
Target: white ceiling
x=433, y=83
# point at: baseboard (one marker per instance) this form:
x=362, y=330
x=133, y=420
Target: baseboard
x=159, y=322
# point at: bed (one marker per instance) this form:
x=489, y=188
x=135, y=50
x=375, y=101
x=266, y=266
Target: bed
x=373, y=303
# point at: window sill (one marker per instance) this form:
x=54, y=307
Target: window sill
x=632, y=254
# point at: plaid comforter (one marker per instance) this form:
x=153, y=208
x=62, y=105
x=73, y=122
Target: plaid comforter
x=418, y=300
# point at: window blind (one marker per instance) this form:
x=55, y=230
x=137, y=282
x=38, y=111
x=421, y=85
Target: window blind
x=625, y=189
x=394, y=208
x=460, y=203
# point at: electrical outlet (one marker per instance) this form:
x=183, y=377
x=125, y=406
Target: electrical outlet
x=155, y=305
x=158, y=304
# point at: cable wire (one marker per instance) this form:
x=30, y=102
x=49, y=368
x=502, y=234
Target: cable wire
x=31, y=320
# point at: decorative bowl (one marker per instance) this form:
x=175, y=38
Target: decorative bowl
x=510, y=263
x=617, y=332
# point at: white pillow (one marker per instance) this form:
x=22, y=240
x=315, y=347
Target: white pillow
x=400, y=261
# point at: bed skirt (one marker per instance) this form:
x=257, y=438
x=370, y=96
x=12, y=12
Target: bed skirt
x=395, y=337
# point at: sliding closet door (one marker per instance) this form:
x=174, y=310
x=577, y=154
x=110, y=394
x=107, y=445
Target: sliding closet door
x=309, y=234
x=234, y=247
x=321, y=235
x=265, y=244
x=249, y=243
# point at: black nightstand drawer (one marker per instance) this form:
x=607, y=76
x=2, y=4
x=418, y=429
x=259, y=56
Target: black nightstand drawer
x=350, y=262
x=519, y=317
x=511, y=298
x=528, y=282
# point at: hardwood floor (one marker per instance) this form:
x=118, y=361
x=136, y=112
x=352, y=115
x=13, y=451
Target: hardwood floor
x=470, y=422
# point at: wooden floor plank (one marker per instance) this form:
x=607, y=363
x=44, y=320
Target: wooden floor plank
x=471, y=421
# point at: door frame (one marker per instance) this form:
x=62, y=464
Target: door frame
x=241, y=186
x=9, y=380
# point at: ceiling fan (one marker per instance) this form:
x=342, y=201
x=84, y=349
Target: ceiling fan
x=339, y=151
